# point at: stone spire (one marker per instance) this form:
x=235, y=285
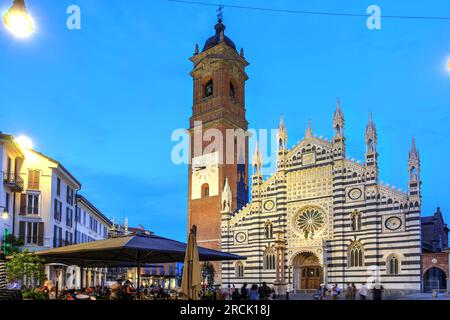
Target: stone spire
x=371, y=135
x=338, y=120
x=257, y=160
x=309, y=134
x=227, y=197
x=282, y=135
x=413, y=153
x=414, y=183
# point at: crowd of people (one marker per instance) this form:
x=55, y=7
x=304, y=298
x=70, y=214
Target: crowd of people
x=120, y=290
x=255, y=292
x=125, y=290
x=351, y=292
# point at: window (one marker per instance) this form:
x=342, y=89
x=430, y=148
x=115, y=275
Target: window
x=205, y=190
x=239, y=269
x=356, y=220
x=392, y=265
x=268, y=230
x=69, y=238
x=7, y=200
x=57, y=237
x=232, y=91
x=57, y=210
x=31, y=233
x=78, y=215
x=32, y=203
x=9, y=168
x=58, y=186
x=33, y=179
x=355, y=255
x=209, y=89
x=69, y=217
x=269, y=260
x=69, y=195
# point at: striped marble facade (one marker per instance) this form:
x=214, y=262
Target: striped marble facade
x=322, y=210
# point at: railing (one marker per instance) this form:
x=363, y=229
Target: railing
x=14, y=180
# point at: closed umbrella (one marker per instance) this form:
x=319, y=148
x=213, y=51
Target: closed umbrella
x=192, y=274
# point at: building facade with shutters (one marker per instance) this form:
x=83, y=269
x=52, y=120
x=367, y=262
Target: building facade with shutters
x=46, y=206
x=11, y=159
x=40, y=206
x=320, y=218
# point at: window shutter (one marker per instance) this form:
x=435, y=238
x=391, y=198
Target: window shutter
x=60, y=237
x=36, y=179
x=22, y=231
x=55, y=209
x=30, y=179
x=55, y=229
x=41, y=234
x=23, y=204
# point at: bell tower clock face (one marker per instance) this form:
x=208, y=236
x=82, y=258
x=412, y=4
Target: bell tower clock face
x=205, y=172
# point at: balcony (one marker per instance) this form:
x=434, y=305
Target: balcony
x=13, y=180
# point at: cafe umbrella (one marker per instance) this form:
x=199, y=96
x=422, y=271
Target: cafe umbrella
x=192, y=274
x=136, y=250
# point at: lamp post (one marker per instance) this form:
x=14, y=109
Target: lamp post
x=18, y=21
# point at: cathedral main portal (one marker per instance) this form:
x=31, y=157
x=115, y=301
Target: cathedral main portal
x=307, y=271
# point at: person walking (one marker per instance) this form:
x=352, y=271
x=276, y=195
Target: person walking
x=244, y=292
x=354, y=290
x=264, y=292
x=377, y=291
x=236, y=295
x=363, y=292
x=335, y=291
x=254, y=293
x=348, y=292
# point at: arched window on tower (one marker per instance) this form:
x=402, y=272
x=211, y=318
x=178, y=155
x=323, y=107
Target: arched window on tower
x=205, y=190
x=370, y=146
x=355, y=255
x=392, y=265
x=209, y=89
x=269, y=259
x=232, y=91
x=268, y=230
x=239, y=269
x=413, y=173
x=356, y=220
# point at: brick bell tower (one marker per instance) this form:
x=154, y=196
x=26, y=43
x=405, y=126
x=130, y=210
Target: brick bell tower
x=216, y=155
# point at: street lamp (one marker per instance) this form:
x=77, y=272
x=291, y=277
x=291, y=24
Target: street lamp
x=17, y=20
x=5, y=214
x=24, y=142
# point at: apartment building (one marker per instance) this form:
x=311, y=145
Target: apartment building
x=40, y=206
x=11, y=159
x=47, y=203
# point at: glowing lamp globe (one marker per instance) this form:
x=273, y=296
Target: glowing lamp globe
x=18, y=21
x=24, y=142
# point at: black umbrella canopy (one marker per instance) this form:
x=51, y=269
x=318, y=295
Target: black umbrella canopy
x=127, y=251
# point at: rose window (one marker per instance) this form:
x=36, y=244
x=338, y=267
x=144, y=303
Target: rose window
x=310, y=221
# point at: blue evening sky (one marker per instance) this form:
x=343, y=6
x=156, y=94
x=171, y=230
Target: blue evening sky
x=105, y=99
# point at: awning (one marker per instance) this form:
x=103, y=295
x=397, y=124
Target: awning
x=128, y=251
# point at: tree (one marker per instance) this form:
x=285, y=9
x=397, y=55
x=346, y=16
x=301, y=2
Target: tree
x=208, y=274
x=26, y=268
x=11, y=244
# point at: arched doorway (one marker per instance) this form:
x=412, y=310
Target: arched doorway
x=434, y=278
x=307, y=271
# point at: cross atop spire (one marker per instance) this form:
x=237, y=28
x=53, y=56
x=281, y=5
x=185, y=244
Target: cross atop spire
x=220, y=13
